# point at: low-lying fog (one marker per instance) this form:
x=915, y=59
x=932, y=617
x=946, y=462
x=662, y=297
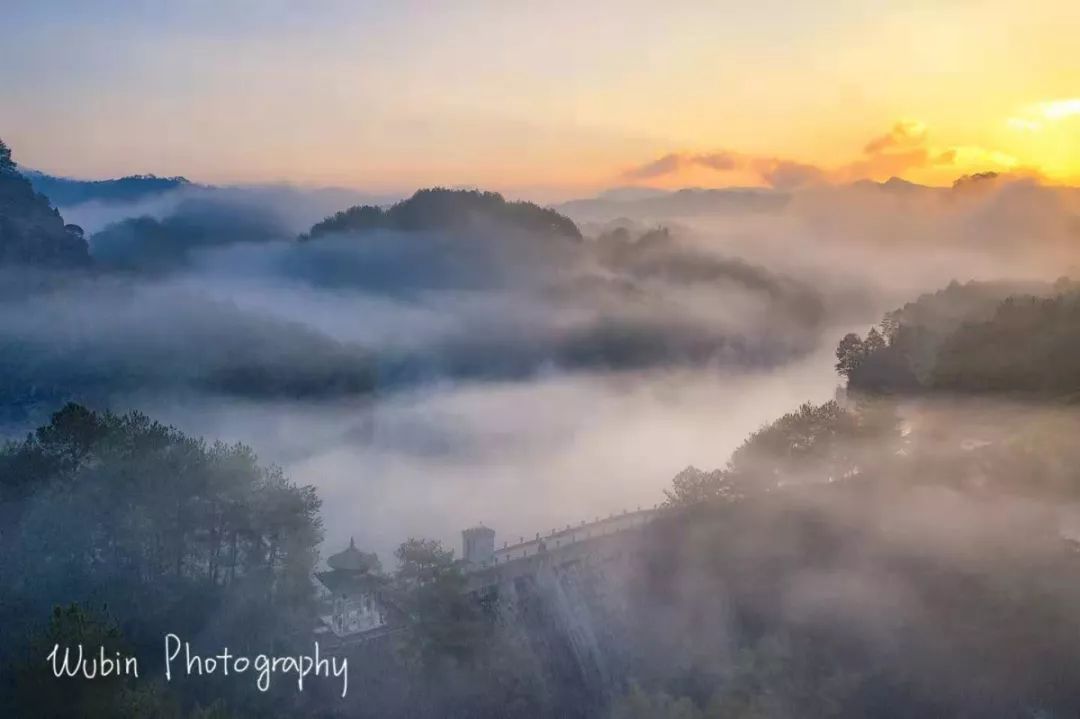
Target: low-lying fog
x=520, y=383
x=521, y=457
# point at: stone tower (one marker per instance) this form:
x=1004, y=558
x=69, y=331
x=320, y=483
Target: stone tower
x=478, y=545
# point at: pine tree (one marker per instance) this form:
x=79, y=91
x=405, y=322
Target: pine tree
x=6, y=163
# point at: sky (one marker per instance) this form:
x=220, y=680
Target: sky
x=543, y=100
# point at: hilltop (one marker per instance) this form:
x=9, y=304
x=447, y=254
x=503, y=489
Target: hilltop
x=69, y=191
x=443, y=209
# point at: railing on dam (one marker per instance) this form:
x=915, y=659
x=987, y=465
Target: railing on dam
x=570, y=535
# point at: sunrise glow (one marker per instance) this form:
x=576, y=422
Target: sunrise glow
x=550, y=103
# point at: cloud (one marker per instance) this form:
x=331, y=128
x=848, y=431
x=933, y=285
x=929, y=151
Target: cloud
x=658, y=168
x=721, y=161
x=904, y=134
x=788, y=174
x=1035, y=117
x=882, y=164
x=1060, y=109
x=903, y=148
x=773, y=171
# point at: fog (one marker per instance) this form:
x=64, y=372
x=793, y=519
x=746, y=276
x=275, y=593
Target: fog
x=521, y=457
x=295, y=208
x=427, y=381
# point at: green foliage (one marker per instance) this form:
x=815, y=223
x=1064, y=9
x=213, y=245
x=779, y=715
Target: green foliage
x=693, y=485
x=174, y=534
x=823, y=442
x=978, y=337
x=815, y=444
x=422, y=560
x=444, y=623
x=1029, y=345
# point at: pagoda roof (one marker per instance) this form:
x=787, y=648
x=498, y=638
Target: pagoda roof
x=352, y=559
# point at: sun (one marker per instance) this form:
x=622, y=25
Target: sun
x=1046, y=135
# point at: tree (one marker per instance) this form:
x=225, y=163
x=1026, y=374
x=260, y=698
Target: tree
x=849, y=354
x=6, y=163
x=816, y=443
x=174, y=534
x=820, y=443
x=874, y=342
x=422, y=560
x=444, y=623
x=693, y=485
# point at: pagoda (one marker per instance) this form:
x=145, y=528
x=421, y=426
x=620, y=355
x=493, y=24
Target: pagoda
x=352, y=604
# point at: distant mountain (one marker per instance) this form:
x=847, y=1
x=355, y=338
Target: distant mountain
x=977, y=181
x=443, y=209
x=31, y=231
x=899, y=184
x=68, y=191
x=650, y=204
x=655, y=204
x=151, y=244
x=629, y=194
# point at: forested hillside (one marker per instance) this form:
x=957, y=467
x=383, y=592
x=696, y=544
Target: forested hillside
x=67, y=191
x=31, y=231
x=133, y=529
x=979, y=337
x=443, y=209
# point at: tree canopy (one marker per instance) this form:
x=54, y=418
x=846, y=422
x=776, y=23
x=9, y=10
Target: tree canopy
x=979, y=337
x=169, y=532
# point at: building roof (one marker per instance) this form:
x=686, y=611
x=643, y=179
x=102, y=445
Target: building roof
x=352, y=559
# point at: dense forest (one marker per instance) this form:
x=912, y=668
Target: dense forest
x=133, y=529
x=980, y=337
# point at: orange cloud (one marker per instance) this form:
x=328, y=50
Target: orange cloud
x=787, y=174
x=657, y=168
x=902, y=149
x=904, y=134
x=722, y=161
x=773, y=171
